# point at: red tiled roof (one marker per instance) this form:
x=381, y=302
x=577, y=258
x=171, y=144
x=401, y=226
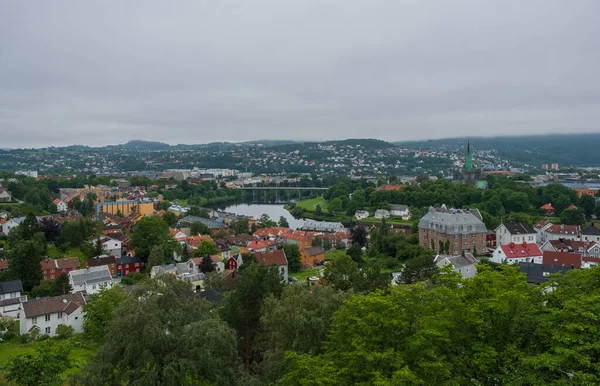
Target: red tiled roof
x=513, y=250
x=47, y=264
x=194, y=241
x=256, y=245
x=560, y=229
x=547, y=207
x=270, y=258
x=559, y=259
x=68, y=262
x=389, y=187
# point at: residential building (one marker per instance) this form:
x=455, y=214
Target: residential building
x=565, y=245
x=61, y=206
x=92, y=280
x=46, y=314
x=127, y=265
x=540, y=273
x=323, y=226
x=111, y=246
x=11, y=298
x=309, y=257
x=561, y=231
x=276, y=258
x=12, y=223
x=514, y=232
x=547, y=209
x=27, y=173
x=452, y=230
x=513, y=253
x=540, y=228
x=194, y=264
x=400, y=211
x=211, y=224
x=234, y=262
x=103, y=260
x=125, y=207
x=52, y=269
x=5, y=195
x=360, y=214
x=591, y=233
x=382, y=213
x=464, y=264
x=562, y=259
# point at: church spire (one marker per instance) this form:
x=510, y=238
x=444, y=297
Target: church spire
x=468, y=158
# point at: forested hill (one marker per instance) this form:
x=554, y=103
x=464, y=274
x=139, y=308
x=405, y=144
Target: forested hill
x=565, y=149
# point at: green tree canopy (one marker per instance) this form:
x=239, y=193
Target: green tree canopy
x=149, y=232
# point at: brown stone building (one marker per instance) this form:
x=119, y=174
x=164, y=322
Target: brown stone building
x=452, y=231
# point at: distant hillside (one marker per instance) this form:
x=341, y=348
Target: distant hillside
x=146, y=145
x=366, y=142
x=270, y=143
x=564, y=149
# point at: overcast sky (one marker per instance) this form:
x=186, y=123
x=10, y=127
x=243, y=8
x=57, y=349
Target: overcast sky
x=104, y=72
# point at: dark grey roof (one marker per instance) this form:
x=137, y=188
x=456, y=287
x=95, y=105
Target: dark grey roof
x=459, y=260
x=537, y=273
x=211, y=295
x=591, y=230
x=7, y=287
x=8, y=302
x=452, y=221
x=209, y=223
x=398, y=207
x=128, y=260
x=517, y=228
x=88, y=275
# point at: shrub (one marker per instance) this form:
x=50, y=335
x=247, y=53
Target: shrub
x=64, y=332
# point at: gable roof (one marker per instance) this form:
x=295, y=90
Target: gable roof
x=513, y=251
x=399, y=207
x=547, y=207
x=517, y=228
x=90, y=275
x=66, y=303
x=7, y=287
x=567, y=245
x=68, y=262
x=314, y=251
x=561, y=229
x=537, y=273
x=457, y=261
x=128, y=260
x=591, y=231
x=566, y=259
x=100, y=261
x=269, y=258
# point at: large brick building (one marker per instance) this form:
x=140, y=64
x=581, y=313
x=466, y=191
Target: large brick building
x=452, y=230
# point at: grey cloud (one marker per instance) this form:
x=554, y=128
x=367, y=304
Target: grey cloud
x=102, y=72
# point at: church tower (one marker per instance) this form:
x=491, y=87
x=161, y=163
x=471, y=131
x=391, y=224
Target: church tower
x=469, y=174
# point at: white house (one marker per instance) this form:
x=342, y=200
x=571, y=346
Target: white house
x=540, y=228
x=12, y=223
x=92, y=280
x=463, y=264
x=46, y=314
x=5, y=195
x=590, y=234
x=400, y=211
x=61, y=206
x=111, y=246
x=514, y=232
x=382, y=213
x=513, y=253
x=561, y=231
x=360, y=214
x=10, y=298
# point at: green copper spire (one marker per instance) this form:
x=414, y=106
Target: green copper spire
x=468, y=158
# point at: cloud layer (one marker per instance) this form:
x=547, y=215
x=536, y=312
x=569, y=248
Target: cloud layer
x=105, y=72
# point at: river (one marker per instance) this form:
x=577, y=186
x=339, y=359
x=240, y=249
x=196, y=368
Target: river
x=273, y=210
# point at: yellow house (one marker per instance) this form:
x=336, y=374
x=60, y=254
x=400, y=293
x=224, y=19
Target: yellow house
x=125, y=208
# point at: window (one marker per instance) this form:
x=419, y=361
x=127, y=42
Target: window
x=47, y=317
x=52, y=277
x=48, y=330
x=77, y=317
x=34, y=320
x=137, y=264
x=60, y=315
x=52, y=270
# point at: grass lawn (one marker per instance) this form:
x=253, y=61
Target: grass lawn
x=373, y=220
x=56, y=253
x=181, y=202
x=306, y=273
x=311, y=204
x=79, y=356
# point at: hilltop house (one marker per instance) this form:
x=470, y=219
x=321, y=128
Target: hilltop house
x=312, y=256
x=52, y=269
x=61, y=206
x=591, y=233
x=382, y=213
x=514, y=253
x=400, y=211
x=360, y=214
x=10, y=224
x=5, y=195
x=46, y=314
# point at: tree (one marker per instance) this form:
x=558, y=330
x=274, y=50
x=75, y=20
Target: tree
x=419, y=268
x=170, y=218
x=355, y=252
x=206, y=264
x=99, y=311
x=25, y=260
x=572, y=216
x=318, y=210
x=588, y=204
x=242, y=311
x=298, y=322
x=340, y=272
x=43, y=367
x=358, y=235
x=50, y=228
x=335, y=205
x=61, y=285
x=206, y=247
x=149, y=232
x=240, y=225
x=157, y=257
x=197, y=228
x=266, y=222
x=190, y=345
x=292, y=253
x=283, y=223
